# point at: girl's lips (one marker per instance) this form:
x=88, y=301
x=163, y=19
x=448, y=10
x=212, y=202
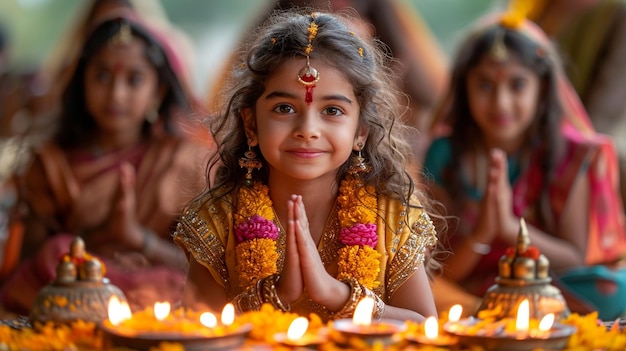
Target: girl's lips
x=114, y=112
x=501, y=120
x=305, y=153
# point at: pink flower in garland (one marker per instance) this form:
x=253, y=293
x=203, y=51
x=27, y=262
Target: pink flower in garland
x=256, y=227
x=359, y=234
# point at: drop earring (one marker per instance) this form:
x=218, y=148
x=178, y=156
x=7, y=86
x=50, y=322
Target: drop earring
x=250, y=162
x=358, y=165
x=152, y=115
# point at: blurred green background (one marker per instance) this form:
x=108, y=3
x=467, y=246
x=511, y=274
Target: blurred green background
x=35, y=26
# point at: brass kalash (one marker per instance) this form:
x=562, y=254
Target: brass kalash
x=523, y=274
x=79, y=292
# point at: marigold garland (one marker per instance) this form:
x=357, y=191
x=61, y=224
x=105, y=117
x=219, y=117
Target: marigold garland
x=256, y=233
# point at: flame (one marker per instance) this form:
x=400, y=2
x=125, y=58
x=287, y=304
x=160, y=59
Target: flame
x=161, y=310
x=118, y=311
x=363, y=312
x=208, y=319
x=431, y=328
x=297, y=328
x=228, y=314
x=546, y=322
x=455, y=313
x=522, y=321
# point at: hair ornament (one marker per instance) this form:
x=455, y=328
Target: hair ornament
x=123, y=35
x=360, y=52
x=518, y=11
x=309, y=76
x=498, y=50
x=273, y=41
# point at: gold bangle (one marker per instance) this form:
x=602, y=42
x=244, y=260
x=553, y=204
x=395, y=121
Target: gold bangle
x=356, y=291
x=249, y=300
x=379, y=304
x=270, y=294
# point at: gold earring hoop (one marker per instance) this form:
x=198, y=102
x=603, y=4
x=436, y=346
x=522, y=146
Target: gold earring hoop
x=250, y=162
x=358, y=165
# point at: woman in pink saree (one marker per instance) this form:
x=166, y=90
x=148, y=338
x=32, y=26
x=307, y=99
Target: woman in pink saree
x=117, y=171
x=512, y=140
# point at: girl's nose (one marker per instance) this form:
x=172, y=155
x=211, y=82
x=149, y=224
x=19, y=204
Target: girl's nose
x=502, y=97
x=307, y=126
x=118, y=89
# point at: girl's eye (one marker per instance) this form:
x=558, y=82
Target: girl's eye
x=518, y=84
x=333, y=111
x=135, y=79
x=485, y=85
x=284, y=109
x=103, y=76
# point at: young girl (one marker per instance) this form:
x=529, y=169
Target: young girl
x=518, y=144
x=311, y=209
x=117, y=171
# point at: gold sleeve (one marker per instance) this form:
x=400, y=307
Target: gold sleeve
x=202, y=234
x=410, y=233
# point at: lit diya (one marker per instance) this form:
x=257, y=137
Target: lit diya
x=363, y=328
x=520, y=334
x=431, y=331
x=298, y=337
x=194, y=330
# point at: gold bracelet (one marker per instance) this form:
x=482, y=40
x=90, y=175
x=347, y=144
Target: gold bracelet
x=356, y=291
x=270, y=294
x=249, y=300
x=379, y=304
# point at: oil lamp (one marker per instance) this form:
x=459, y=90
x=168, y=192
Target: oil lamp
x=363, y=328
x=298, y=337
x=521, y=333
x=194, y=330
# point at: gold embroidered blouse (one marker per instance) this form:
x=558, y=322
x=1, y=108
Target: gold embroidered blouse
x=206, y=235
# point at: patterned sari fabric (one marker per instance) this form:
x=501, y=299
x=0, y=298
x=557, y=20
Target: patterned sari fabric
x=207, y=235
x=68, y=195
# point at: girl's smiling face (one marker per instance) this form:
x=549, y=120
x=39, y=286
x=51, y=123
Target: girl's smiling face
x=503, y=99
x=121, y=86
x=305, y=141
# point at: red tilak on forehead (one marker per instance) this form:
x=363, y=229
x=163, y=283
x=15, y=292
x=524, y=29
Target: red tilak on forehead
x=500, y=72
x=118, y=66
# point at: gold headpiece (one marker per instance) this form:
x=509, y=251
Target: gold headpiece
x=498, y=49
x=309, y=76
x=123, y=35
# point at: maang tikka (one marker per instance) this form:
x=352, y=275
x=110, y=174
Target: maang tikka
x=250, y=162
x=123, y=36
x=309, y=76
x=358, y=165
x=498, y=49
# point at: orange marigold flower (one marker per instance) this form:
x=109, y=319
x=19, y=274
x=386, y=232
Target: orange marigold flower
x=255, y=259
x=361, y=263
